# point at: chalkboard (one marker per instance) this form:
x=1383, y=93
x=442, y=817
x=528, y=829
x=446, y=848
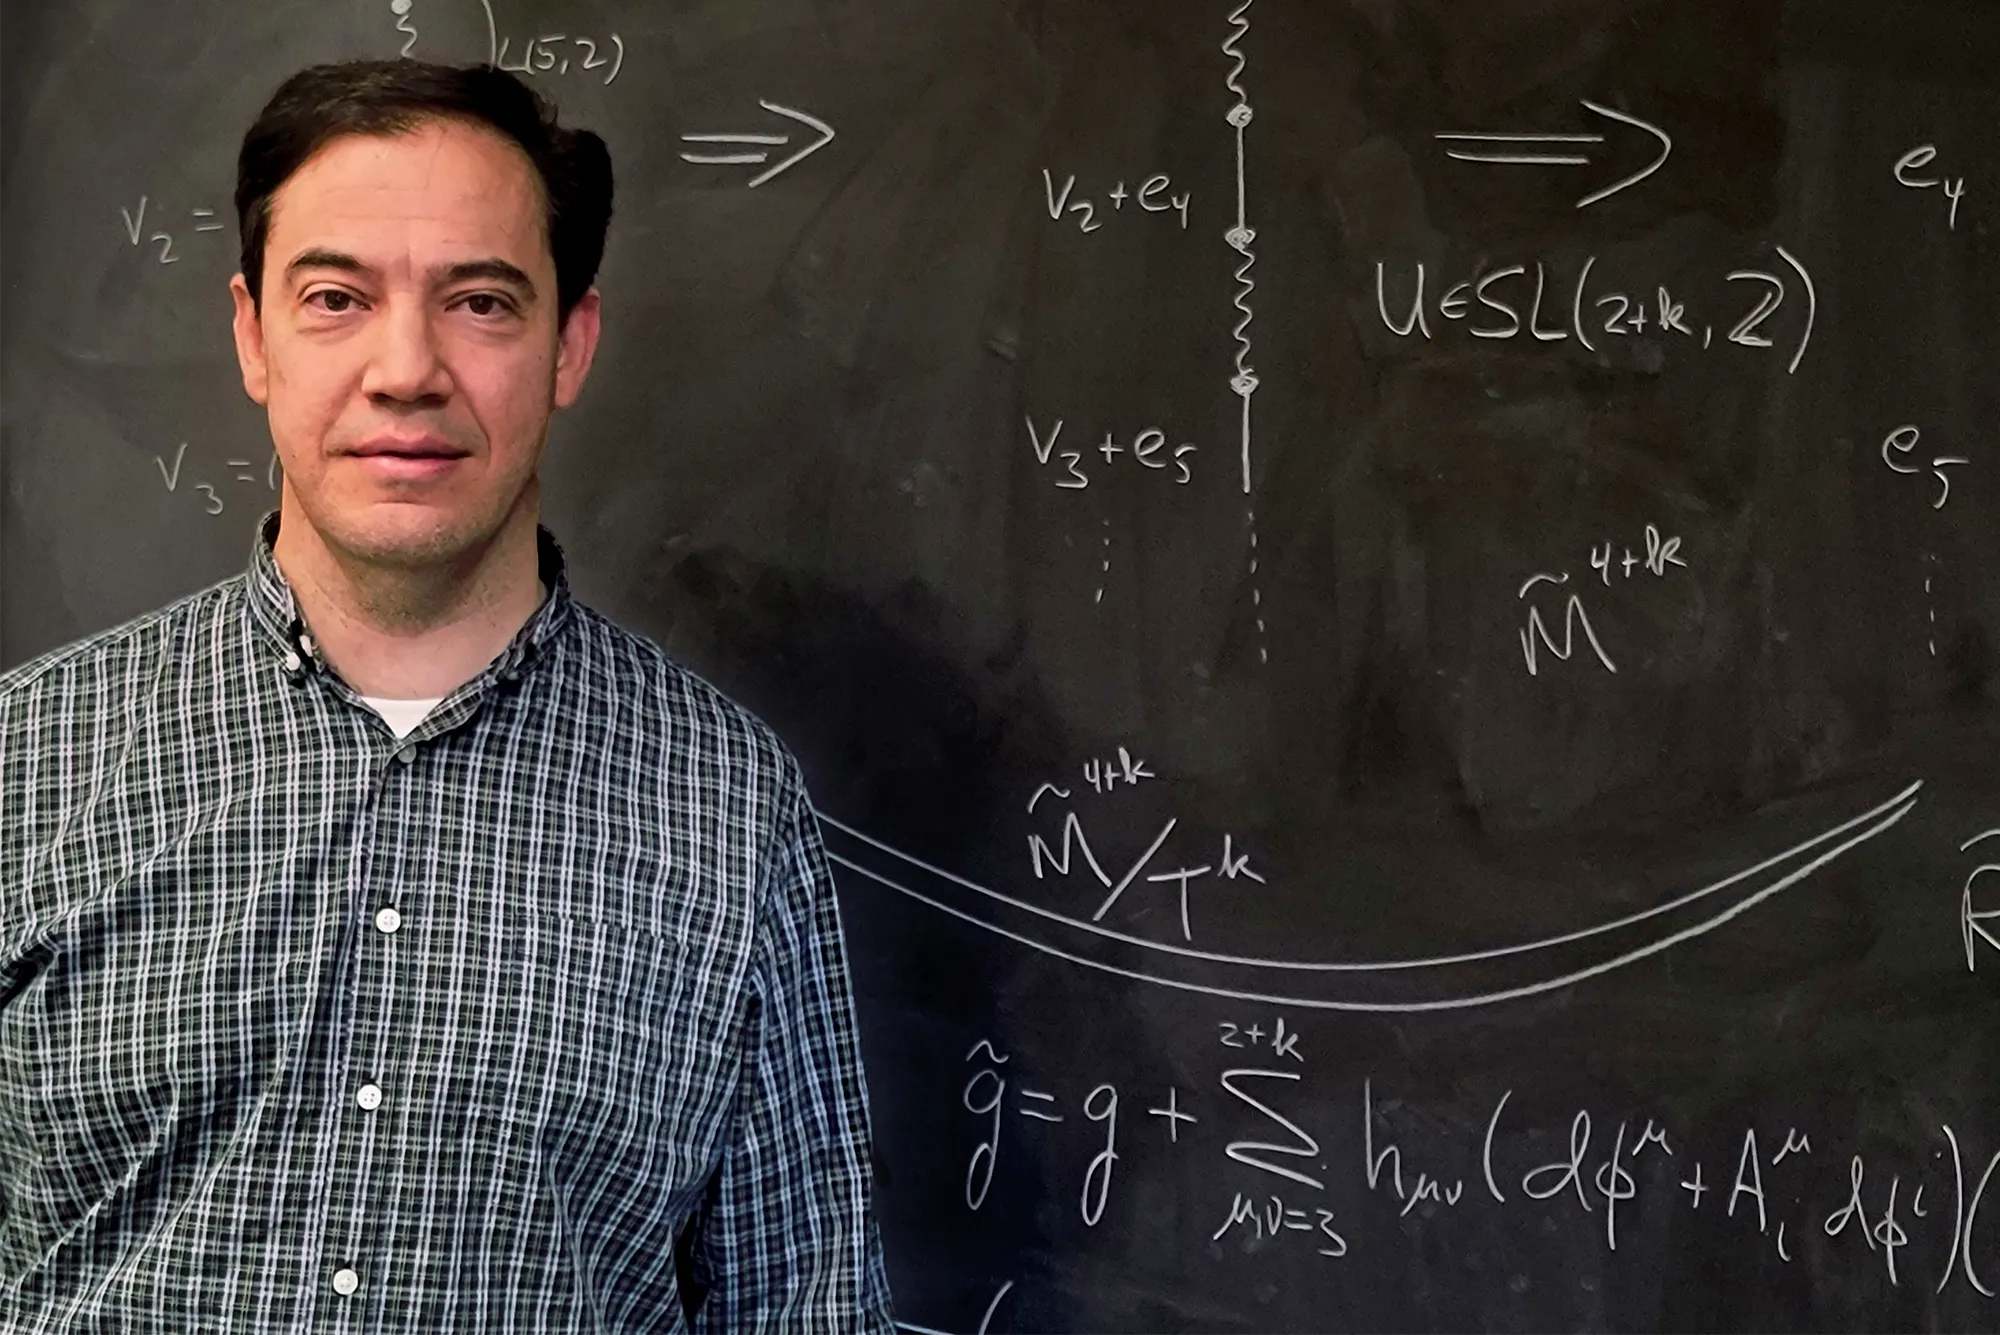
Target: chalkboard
x=1389, y=606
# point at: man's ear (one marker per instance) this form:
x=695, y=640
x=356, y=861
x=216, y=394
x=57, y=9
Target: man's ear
x=577, y=347
x=249, y=330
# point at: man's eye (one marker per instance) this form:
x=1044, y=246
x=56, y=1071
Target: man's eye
x=486, y=303
x=336, y=301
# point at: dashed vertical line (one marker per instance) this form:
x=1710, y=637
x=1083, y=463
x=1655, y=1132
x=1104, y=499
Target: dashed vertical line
x=1256, y=592
x=1105, y=570
x=1930, y=606
x=1241, y=238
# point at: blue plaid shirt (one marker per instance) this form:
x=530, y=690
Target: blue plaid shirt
x=535, y=1020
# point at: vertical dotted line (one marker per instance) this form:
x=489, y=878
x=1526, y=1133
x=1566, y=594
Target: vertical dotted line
x=1930, y=606
x=1256, y=592
x=1105, y=569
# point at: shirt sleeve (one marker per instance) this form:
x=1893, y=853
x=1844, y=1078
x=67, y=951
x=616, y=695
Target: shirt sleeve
x=786, y=1237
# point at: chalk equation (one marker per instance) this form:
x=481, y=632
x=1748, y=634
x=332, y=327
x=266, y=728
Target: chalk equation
x=1153, y=195
x=1900, y=445
x=1535, y=636
x=1910, y=173
x=243, y=470
x=552, y=53
x=1512, y=302
x=1547, y=149
x=204, y=220
x=1073, y=850
x=985, y=1097
x=1655, y=555
x=1148, y=449
x=1254, y=1128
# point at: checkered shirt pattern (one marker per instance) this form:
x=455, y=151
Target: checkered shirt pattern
x=535, y=1020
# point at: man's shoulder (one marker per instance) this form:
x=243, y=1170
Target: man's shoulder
x=103, y=660
x=684, y=705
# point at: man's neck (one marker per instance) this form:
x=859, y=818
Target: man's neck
x=392, y=635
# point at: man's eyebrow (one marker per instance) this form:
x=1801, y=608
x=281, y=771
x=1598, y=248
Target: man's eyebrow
x=493, y=270
x=318, y=258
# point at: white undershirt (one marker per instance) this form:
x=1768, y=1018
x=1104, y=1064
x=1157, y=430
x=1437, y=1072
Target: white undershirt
x=403, y=715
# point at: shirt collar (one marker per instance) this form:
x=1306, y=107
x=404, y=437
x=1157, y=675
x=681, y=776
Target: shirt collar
x=276, y=610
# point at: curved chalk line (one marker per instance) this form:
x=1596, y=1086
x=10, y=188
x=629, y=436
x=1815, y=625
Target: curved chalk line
x=1406, y=1007
x=1367, y=966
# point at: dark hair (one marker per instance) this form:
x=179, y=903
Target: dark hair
x=388, y=97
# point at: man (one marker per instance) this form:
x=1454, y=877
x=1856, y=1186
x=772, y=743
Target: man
x=388, y=942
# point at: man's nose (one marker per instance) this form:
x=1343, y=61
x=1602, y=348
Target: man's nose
x=406, y=364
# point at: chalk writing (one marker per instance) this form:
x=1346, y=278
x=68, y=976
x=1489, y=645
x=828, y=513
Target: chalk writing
x=1909, y=172
x=1505, y=303
x=1283, y=1042
x=1973, y=918
x=748, y=149
x=1659, y=553
x=1241, y=239
x=135, y=229
x=1146, y=449
x=554, y=53
x=1270, y=1217
x=1153, y=195
x=961, y=898
x=1898, y=444
x=1609, y=1172
x=984, y=1096
x=242, y=470
x=401, y=9
x=985, y=1321
x=1558, y=150
x=1074, y=843
x=1573, y=616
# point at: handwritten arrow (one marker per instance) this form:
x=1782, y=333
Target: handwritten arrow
x=1520, y=149
x=766, y=141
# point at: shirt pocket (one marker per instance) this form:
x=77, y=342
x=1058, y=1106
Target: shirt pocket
x=637, y=1051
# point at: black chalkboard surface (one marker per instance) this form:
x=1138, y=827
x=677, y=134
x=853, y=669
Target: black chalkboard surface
x=1390, y=605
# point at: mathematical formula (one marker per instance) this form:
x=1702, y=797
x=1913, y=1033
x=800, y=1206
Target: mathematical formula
x=1275, y=1168
x=1103, y=775
x=1514, y=302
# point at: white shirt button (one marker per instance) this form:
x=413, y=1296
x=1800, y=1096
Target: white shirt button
x=345, y=1281
x=306, y=643
x=387, y=919
x=369, y=1097
x=291, y=661
x=407, y=754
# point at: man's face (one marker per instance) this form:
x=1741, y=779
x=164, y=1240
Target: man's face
x=409, y=306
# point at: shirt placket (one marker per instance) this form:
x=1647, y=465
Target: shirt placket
x=367, y=1059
